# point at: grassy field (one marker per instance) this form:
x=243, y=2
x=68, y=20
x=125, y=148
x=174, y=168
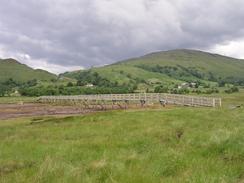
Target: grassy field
x=180, y=144
x=14, y=100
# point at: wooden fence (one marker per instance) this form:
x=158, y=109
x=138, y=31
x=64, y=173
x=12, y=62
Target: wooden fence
x=142, y=98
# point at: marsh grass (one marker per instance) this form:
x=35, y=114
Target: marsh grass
x=180, y=144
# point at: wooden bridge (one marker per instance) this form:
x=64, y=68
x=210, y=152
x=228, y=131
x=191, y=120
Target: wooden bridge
x=123, y=100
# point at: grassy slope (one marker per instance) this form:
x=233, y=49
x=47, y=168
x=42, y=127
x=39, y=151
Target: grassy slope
x=169, y=145
x=220, y=65
x=202, y=61
x=113, y=73
x=10, y=68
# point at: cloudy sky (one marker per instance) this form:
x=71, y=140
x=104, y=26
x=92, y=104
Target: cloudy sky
x=61, y=35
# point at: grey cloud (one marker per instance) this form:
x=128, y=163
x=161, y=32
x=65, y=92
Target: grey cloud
x=96, y=32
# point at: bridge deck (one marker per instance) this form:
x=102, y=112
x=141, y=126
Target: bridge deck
x=140, y=97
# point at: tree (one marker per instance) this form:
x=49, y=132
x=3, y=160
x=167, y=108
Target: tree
x=221, y=82
x=232, y=90
x=70, y=84
x=161, y=89
x=3, y=89
x=31, y=83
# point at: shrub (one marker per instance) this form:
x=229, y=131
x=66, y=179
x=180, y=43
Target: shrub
x=70, y=84
x=232, y=90
x=161, y=89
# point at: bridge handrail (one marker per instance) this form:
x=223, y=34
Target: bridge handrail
x=148, y=97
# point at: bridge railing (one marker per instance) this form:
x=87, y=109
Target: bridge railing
x=138, y=97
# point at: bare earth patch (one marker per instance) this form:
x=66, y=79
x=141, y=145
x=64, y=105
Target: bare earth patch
x=8, y=111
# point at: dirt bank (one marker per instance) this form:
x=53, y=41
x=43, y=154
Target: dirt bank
x=34, y=109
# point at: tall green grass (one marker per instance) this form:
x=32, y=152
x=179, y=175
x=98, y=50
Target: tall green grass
x=163, y=145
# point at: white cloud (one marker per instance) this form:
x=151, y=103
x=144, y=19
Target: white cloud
x=37, y=63
x=45, y=65
x=85, y=33
x=231, y=48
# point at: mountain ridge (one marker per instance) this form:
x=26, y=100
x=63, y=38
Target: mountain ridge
x=173, y=66
x=11, y=68
x=161, y=67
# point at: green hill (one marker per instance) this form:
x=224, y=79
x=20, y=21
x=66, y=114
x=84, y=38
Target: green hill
x=172, y=67
x=10, y=68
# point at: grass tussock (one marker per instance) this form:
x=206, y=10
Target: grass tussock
x=12, y=166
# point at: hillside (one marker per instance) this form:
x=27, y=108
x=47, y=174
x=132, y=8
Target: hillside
x=172, y=67
x=10, y=68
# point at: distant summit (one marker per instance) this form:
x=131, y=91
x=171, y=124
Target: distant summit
x=10, y=61
x=11, y=68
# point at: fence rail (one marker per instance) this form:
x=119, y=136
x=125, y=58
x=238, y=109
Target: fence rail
x=139, y=97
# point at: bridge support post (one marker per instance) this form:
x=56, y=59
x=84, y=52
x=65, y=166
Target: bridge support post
x=162, y=102
x=143, y=102
x=113, y=103
x=126, y=104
